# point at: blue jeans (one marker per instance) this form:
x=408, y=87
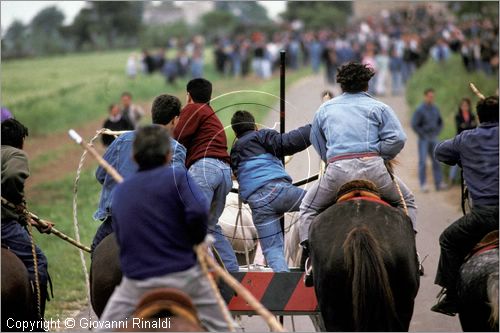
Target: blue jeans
x=426, y=147
x=214, y=178
x=268, y=204
x=17, y=240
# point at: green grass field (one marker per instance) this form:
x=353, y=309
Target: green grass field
x=51, y=95
x=450, y=80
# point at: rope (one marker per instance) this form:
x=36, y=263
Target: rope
x=405, y=208
x=75, y=218
x=220, y=301
x=240, y=290
x=37, y=277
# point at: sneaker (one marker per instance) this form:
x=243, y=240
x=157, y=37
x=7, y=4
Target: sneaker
x=446, y=304
x=424, y=189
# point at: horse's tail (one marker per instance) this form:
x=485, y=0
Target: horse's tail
x=492, y=288
x=372, y=299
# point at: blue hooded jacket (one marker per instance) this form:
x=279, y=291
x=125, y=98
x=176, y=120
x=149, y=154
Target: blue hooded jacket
x=255, y=156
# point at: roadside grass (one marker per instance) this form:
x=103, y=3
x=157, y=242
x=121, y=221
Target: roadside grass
x=53, y=106
x=450, y=80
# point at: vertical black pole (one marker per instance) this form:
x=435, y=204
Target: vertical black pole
x=282, y=117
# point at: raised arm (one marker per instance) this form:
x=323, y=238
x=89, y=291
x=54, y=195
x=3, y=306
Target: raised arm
x=189, y=122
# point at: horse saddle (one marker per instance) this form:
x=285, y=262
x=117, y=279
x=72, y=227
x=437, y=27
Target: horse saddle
x=360, y=194
x=489, y=242
x=167, y=302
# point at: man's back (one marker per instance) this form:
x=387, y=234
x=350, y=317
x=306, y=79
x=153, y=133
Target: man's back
x=201, y=132
x=158, y=216
x=14, y=173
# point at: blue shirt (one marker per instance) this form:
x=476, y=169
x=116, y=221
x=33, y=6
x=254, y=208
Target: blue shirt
x=255, y=157
x=158, y=216
x=119, y=155
x=427, y=122
x=476, y=151
x=356, y=123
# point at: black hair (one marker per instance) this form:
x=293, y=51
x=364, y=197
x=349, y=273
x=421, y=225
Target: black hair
x=151, y=146
x=353, y=77
x=241, y=122
x=165, y=108
x=13, y=133
x=487, y=109
x=126, y=93
x=200, y=90
x=428, y=90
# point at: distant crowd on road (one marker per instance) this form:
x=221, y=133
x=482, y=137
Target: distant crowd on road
x=393, y=43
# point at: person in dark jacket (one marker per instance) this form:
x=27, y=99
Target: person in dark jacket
x=263, y=181
x=159, y=215
x=464, y=120
x=427, y=123
x=15, y=237
x=201, y=132
x=115, y=122
x=476, y=151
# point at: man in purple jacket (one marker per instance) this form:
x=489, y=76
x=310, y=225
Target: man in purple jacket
x=159, y=214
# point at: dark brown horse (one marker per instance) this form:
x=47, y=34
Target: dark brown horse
x=364, y=262
x=17, y=299
x=105, y=273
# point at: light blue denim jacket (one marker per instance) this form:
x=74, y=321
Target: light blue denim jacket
x=119, y=155
x=356, y=123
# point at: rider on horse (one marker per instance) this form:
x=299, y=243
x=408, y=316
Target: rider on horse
x=165, y=112
x=15, y=237
x=159, y=214
x=355, y=134
x=476, y=151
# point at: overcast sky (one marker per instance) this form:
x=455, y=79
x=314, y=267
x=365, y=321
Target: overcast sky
x=26, y=10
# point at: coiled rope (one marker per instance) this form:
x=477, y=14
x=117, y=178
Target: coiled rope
x=35, y=264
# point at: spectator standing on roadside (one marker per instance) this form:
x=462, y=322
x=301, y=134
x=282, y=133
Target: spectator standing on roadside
x=115, y=122
x=133, y=113
x=427, y=123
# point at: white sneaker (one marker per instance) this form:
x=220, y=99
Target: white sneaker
x=424, y=188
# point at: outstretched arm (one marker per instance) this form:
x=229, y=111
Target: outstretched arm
x=447, y=151
x=286, y=143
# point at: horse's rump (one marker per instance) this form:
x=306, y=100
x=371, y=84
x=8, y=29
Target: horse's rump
x=379, y=244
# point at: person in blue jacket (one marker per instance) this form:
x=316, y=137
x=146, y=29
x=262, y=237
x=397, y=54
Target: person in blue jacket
x=263, y=181
x=165, y=112
x=476, y=151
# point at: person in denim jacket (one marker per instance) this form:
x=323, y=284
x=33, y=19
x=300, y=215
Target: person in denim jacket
x=165, y=112
x=263, y=181
x=354, y=133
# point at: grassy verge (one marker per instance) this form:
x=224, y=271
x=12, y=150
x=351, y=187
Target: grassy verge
x=451, y=82
x=54, y=200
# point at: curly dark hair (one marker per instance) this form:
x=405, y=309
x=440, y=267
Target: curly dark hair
x=353, y=77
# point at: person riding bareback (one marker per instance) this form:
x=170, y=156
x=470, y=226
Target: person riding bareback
x=15, y=237
x=355, y=134
x=476, y=151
